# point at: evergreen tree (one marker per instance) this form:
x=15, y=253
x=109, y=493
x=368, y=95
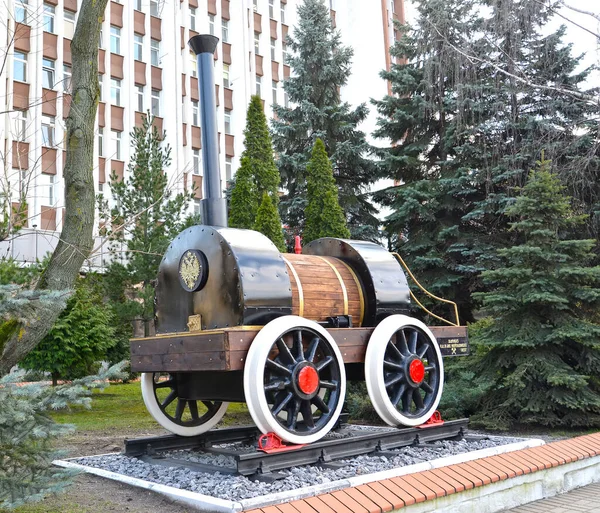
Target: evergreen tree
x=320, y=66
x=145, y=215
x=464, y=133
x=544, y=338
x=324, y=216
x=78, y=340
x=268, y=222
x=257, y=175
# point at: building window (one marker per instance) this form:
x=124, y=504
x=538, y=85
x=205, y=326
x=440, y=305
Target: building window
x=21, y=12
x=138, y=46
x=271, y=9
x=193, y=65
x=69, y=24
x=259, y=86
x=255, y=5
x=154, y=7
x=226, y=82
x=228, y=122
x=257, y=43
x=101, y=142
x=47, y=73
x=196, y=207
x=155, y=107
x=67, y=73
x=140, y=98
x=225, y=30
x=48, y=131
x=116, y=144
x=115, y=40
x=273, y=49
x=192, y=18
x=21, y=125
x=20, y=66
x=284, y=52
x=138, y=5
x=51, y=182
x=100, y=87
x=195, y=113
x=115, y=92
x=49, y=18
x=228, y=168
x=282, y=13
x=274, y=87
x=196, y=162
x=211, y=24
x=154, y=51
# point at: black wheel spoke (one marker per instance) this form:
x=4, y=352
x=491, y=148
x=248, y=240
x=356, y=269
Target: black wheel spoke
x=412, y=345
x=425, y=386
x=282, y=404
x=429, y=368
x=278, y=368
x=394, y=379
x=418, y=399
x=298, y=349
x=324, y=363
x=293, y=415
x=277, y=385
x=424, y=348
x=211, y=406
x=284, y=351
x=395, y=351
x=401, y=340
x=193, y=406
x=169, y=399
x=312, y=351
x=398, y=395
x=405, y=403
x=307, y=414
x=320, y=404
x=180, y=408
x=328, y=384
x=392, y=366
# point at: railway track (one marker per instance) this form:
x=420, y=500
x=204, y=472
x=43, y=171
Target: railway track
x=239, y=446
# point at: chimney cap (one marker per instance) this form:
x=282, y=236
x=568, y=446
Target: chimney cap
x=203, y=43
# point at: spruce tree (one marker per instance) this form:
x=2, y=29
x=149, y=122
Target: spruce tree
x=257, y=175
x=320, y=66
x=324, y=215
x=544, y=339
x=464, y=134
x=268, y=221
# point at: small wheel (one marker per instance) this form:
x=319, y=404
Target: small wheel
x=294, y=380
x=180, y=416
x=404, y=371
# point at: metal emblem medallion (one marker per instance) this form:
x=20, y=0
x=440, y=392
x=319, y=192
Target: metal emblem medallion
x=193, y=270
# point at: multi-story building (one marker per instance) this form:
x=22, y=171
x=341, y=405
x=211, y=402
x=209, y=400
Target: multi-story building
x=145, y=65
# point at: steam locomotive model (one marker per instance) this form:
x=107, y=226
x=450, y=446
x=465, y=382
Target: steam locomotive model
x=237, y=321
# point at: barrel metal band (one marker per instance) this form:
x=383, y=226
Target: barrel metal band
x=299, y=285
x=361, y=298
x=342, y=284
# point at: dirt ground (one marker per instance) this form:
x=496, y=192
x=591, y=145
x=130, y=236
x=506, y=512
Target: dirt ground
x=91, y=494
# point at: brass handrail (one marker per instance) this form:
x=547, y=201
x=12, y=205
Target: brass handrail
x=433, y=296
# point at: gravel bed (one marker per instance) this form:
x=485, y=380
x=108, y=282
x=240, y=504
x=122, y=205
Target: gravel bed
x=238, y=487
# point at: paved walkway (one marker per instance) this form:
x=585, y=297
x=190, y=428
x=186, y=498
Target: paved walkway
x=582, y=500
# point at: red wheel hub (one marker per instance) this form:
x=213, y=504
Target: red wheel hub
x=416, y=370
x=308, y=380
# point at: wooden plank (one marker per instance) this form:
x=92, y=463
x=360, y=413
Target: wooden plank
x=179, y=362
x=214, y=342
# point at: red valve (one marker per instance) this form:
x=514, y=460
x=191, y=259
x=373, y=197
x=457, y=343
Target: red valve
x=298, y=245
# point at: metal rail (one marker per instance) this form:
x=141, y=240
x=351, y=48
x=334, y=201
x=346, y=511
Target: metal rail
x=256, y=462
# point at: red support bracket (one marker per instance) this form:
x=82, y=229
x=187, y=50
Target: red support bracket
x=434, y=420
x=271, y=443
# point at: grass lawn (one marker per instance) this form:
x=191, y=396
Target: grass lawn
x=120, y=407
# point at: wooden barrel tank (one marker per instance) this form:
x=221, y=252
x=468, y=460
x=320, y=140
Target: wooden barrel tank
x=324, y=287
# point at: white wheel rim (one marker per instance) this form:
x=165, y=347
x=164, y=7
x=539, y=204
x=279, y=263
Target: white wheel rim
x=254, y=376
x=159, y=416
x=375, y=378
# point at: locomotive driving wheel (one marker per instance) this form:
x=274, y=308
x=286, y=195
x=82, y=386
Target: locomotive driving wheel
x=183, y=417
x=404, y=371
x=294, y=380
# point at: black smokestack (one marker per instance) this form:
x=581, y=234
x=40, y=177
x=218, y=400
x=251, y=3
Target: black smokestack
x=213, y=205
